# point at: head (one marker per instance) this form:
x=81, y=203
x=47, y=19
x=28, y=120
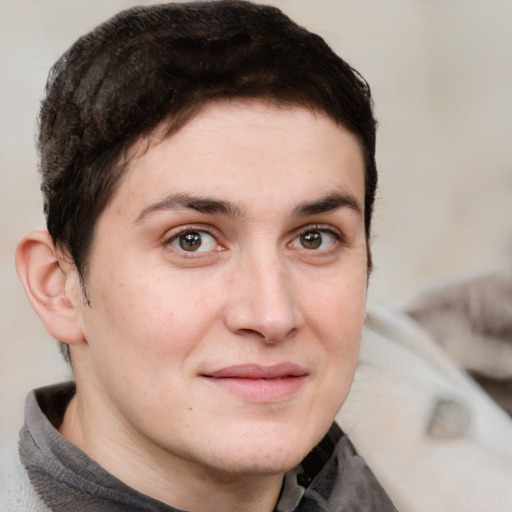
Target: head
x=209, y=175
x=162, y=64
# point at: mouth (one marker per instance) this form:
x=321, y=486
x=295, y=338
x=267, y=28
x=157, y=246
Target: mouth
x=259, y=383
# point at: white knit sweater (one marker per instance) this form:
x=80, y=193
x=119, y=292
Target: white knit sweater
x=16, y=491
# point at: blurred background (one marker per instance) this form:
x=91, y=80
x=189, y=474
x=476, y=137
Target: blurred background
x=441, y=74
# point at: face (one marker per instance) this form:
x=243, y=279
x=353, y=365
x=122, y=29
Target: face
x=227, y=284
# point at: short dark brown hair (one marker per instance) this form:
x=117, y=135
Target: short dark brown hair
x=163, y=63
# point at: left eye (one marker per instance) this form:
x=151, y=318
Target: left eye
x=194, y=241
x=315, y=240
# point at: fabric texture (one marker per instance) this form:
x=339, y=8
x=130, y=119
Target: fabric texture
x=332, y=478
x=16, y=492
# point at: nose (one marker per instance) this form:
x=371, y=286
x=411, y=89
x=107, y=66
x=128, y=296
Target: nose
x=263, y=301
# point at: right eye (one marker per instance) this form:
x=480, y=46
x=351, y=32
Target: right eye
x=193, y=241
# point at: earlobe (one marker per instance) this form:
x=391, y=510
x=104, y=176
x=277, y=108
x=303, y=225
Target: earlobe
x=53, y=289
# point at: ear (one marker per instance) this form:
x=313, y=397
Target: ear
x=52, y=286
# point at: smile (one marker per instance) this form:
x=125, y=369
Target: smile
x=259, y=383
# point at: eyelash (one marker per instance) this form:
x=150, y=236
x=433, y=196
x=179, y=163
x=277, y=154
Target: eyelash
x=175, y=234
x=337, y=235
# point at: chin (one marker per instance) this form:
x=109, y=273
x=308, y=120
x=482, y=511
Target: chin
x=268, y=453
x=261, y=464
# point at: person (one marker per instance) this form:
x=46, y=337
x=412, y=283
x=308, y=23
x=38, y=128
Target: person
x=208, y=173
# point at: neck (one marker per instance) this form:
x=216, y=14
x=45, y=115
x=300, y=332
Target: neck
x=172, y=480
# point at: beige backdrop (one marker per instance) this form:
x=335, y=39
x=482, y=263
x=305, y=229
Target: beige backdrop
x=441, y=72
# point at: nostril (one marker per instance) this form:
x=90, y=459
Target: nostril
x=252, y=333
x=269, y=337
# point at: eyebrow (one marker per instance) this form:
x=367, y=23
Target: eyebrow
x=329, y=203
x=208, y=205
x=201, y=204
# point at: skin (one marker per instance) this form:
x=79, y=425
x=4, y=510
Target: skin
x=259, y=185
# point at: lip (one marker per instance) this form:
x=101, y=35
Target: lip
x=260, y=383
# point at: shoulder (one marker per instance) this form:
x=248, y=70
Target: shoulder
x=17, y=493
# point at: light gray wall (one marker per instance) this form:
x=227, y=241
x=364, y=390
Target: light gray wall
x=441, y=71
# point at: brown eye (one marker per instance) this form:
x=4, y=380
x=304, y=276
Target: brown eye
x=318, y=240
x=190, y=241
x=311, y=239
x=194, y=241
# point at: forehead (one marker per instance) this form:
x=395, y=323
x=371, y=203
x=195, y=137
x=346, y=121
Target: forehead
x=245, y=148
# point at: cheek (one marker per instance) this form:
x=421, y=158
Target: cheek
x=153, y=314
x=338, y=307
x=337, y=317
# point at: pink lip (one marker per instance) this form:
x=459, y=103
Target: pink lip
x=260, y=383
